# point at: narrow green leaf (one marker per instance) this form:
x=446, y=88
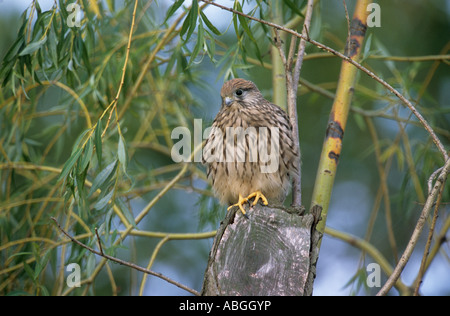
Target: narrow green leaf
x=111, y=5
x=52, y=44
x=90, y=263
x=20, y=254
x=44, y=291
x=194, y=17
x=79, y=140
x=198, y=45
x=388, y=152
x=41, y=260
x=244, y=23
x=38, y=8
x=6, y=71
x=85, y=57
x=98, y=142
x=103, y=201
x=231, y=49
x=182, y=62
x=70, y=163
x=235, y=24
x=121, y=152
x=243, y=66
x=367, y=46
x=210, y=46
x=170, y=64
x=28, y=270
x=102, y=177
x=32, y=47
x=191, y=21
x=264, y=27
x=186, y=24
x=30, y=63
x=209, y=24
x=81, y=198
x=12, y=52
x=173, y=8
x=359, y=119
x=37, y=270
x=42, y=21
x=126, y=212
x=86, y=157
x=294, y=7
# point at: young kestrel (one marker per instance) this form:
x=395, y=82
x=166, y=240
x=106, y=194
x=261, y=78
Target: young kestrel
x=250, y=152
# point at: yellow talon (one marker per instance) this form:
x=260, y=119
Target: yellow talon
x=239, y=203
x=257, y=195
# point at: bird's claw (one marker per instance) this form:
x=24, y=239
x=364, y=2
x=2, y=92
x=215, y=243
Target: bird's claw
x=257, y=195
x=240, y=203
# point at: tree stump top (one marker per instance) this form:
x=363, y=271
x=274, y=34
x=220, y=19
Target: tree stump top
x=269, y=253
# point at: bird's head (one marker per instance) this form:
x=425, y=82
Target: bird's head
x=239, y=92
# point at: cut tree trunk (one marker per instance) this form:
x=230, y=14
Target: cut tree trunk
x=273, y=252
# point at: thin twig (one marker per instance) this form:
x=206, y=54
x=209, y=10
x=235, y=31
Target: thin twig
x=348, y=20
x=278, y=44
x=417, y=230
x=124, y=68
x=152, y=259
x=99, y=241
x=290, y=60
x=430, y=180
x=292, y=73
x=426, y=251
x=292, y=99
x=425, y=124
x=440, y=240
x=125, y=263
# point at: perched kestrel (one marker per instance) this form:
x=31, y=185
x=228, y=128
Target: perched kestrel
x=250, y=152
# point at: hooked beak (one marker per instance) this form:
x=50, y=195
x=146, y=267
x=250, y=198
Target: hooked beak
x=228, y=101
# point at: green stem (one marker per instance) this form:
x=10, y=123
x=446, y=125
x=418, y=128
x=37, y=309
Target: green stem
x=278, y=77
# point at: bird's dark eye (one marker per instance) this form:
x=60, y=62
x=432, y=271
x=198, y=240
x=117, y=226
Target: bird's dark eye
x=239, y=92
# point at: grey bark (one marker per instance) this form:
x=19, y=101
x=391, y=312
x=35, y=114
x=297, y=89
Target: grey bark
x=273, y=252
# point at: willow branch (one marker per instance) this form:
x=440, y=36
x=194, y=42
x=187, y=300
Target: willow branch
x=125, y=263
x=293, y=79
x=426, y=252
x=292, y=73
x=124, y=68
